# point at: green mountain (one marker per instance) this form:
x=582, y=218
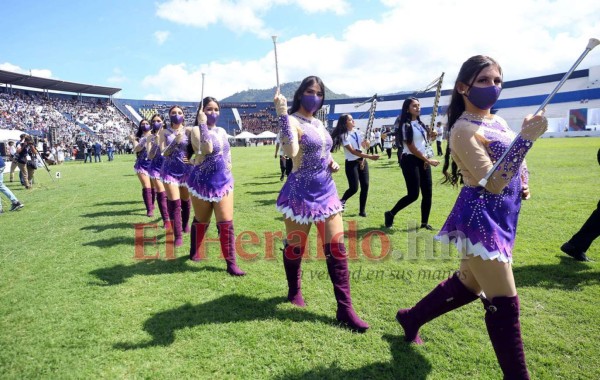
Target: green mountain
x=266, y=95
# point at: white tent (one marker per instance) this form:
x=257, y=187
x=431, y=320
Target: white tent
x=246, y=135
x=266, y=135
x=10, y=134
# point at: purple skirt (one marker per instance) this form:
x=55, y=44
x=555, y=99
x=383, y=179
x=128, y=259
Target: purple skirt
x=484, y=224
x=142, y=165
x=309, y=195
x=174, y=171
x=155, y=166
x=211, y=180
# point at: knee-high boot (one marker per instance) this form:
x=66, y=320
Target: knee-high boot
x=196, y=237
x=292, y=261
x=337, y=266
x=185, y=215
x=175, y=217
x=161, y=198
x=450, y=294
x=153, y=197
x=504, y=329
x=147, y=196
x=227, y=239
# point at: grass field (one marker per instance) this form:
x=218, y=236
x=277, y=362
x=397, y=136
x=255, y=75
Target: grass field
x=75, y=303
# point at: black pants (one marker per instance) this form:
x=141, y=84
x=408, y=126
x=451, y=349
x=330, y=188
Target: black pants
x=439, y=148
x=389, y=152
x=416, y=177
x=588, y=232
x=357, y=176
x=285, y=165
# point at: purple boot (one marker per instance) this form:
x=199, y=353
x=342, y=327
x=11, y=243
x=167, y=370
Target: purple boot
x=175, y=217
x=186, y=206
x=292, y=261
x=196, y=238
x=337, y=266
x=162, y=207
x=147, y=196
x=504, y=329
x=227, y=239
x=450, y=294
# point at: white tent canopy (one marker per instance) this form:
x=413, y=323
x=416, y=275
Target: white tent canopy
x=246, y=135
x=10, y=134
x=266, y=135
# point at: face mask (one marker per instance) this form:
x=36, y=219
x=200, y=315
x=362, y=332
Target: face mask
x=484, y=97
x=156, y=125
x=211, y=118
x=146, y=127
x=311, y=103
x=176, y=119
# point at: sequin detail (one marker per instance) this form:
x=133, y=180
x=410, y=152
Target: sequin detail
x=142, y=162
x=174, y=170
x=211, y=179
x=482, y=223
x=309, y=194
x=286, y=130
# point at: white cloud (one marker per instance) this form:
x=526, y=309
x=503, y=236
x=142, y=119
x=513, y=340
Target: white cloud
x=241, y=16
x=405, y=48
x=161, y=36
x=42, y=73
x=117, y=76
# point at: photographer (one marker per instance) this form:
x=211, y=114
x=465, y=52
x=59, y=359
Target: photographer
x=26, y=160
x=16, y=205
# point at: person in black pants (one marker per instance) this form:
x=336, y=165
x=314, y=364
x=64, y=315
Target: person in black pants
x=583, y=239
x=357, y=170
x=414, y=156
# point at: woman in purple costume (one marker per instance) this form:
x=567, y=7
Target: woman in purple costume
x=483, y=222
x=309, y=196
x=142, y=163
x=211, y=184
x=172, y=142
x=158, y=189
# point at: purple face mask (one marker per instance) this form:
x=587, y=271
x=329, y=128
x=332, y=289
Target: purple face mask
x=146, y=127
x=176, y=119
x=156, y=125
x=311, y=103
x=211, y=118
x=484, y=97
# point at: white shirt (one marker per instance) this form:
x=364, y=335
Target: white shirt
x=353, y=138
x=440, y=133
x=419, y=134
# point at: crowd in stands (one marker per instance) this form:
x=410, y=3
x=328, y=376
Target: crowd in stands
x=260, y=121
x=64, y=120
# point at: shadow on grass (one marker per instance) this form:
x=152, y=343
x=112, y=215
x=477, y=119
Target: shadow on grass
x=266, y=192
x=115, y=213
x=568, y=275
x=118, y=274
x=104, y=227
x=107, y=243
x=117, y=203
x=406, y=363
x=227, y=309
x=261, y=183
x=266, y=202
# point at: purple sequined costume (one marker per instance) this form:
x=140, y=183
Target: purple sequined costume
x=142, y=162
x=482, y=223
x=156, y=162
x=211, y=179
x=309, y=194
x=174, y=170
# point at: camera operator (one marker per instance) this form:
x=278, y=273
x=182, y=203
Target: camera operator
x=26, y=160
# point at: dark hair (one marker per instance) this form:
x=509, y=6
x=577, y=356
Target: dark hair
x=402, y=119
x=203, y=104
x=306, y=83
x=338, y=131
x=469, y=71
x=140, y=130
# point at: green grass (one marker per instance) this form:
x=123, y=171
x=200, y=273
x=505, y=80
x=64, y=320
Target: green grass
x=76, y=304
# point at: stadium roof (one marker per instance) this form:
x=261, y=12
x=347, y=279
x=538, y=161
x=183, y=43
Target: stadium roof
x=23, y=80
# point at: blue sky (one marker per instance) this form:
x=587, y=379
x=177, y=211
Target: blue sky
x=159, y=49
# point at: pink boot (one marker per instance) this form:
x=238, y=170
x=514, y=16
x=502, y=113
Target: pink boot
x=196, y=238
x=292, y=261
x=227, y=239
x=175, y=216
x=162, y=207
x=147, y=196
